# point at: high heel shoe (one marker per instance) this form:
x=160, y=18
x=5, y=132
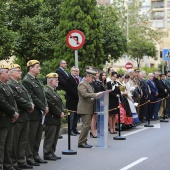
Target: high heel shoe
x=91, y=135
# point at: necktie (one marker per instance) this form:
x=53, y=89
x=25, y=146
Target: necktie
x=65, y=72
x=77, y=80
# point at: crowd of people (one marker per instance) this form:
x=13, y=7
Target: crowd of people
x=27, y=108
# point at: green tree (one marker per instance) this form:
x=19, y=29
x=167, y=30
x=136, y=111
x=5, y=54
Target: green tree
x=84, y=16
x=114, y=41
x=140, y=47
x=136, y=25
x=36, y=23
x=7, y=37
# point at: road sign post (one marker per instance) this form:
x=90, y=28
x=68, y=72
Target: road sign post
x=75, y=39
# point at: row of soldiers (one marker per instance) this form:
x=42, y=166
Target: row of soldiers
x=22, y=109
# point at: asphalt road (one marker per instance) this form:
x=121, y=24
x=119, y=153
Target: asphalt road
x=143, y=149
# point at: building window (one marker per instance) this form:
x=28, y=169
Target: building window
x=157, y=15
x=157, y=4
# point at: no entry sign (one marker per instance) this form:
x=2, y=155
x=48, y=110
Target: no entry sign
x=75, y=39
x=128, y=65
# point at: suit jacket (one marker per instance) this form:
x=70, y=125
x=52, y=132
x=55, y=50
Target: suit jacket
x=62, y=79
x=22, y=92
x=167, y=82
x=8, y=105
x=71, y=94
x=144, y=88
x=55, y=107
x=164, y=87
x=159, y=87
x=86, y=98
x=153, y=89
x=35, y=89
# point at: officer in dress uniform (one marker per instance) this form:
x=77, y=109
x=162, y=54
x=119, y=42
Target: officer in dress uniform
x=35, y=89
x=8, y=114
x=86, y=106
x=53, y=118
x=21, y=126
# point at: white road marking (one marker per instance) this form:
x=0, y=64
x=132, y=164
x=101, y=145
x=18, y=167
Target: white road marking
x=134, y=163
x=142, y=128
x=136, y=131
x=157, y=125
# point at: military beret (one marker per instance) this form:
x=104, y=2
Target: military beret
x=91, y=72
x=13, y=66
x=137, y=70
x=52, y=75
x=4, y=66
x=32, y=62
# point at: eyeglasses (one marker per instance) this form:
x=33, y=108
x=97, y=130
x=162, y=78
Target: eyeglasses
x=19, y=71
x=64, y=63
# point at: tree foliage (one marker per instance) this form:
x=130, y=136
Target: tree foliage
x=7, y=37
x=84, y=16
x=140, y=47
x=36, y=23
x=114, y=41
x=137, y=27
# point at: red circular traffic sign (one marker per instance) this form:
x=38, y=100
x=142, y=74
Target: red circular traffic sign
x=128, y=65
x=75, y=39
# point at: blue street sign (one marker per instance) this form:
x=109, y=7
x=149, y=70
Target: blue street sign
x=166, y=54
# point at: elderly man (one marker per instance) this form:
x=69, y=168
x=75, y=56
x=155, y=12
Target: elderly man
x=21, y=126
x=159, y=96
x=35, y=89
x=152, y=95
x=53, y=118
x=72, y=99
x=8, y=114
x=86, y=106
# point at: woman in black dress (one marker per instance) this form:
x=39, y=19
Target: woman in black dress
x=114, y=97
x=102, y=78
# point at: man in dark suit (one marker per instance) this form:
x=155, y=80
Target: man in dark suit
x=21, y=126
x=167, y=82
x=35, y=89
x=63, y=75
x=144, y=97
x=152, y=95
x=53, y=118
x=72, y=99
x=164, y=94
x=160, y=94
x=8, y=114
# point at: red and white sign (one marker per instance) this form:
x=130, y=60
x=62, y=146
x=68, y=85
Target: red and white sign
x=128, y=65
x=75, y=39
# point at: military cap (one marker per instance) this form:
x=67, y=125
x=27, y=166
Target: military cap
x=136, y=70
x=32, y=62
x=91, y=72
x=52, y=75
x=4, y=66
x=13, y=66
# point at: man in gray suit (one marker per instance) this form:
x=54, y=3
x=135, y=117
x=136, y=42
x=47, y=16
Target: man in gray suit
x=86, y=106
x=53, y=118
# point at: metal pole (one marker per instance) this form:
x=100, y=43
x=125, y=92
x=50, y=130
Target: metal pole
x=76, y=58
x=127, y=29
